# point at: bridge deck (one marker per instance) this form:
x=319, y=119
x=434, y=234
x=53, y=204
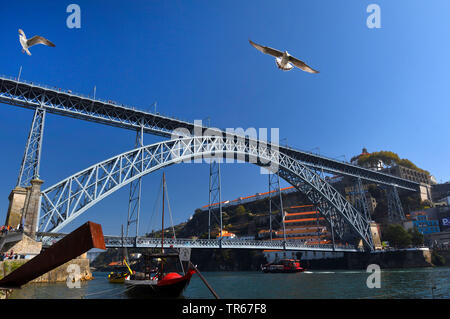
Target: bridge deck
x=64, y=102
x=145, y=242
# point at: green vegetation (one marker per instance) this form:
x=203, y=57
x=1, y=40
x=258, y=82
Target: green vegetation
x=10, y=265
x=388, y=158
x=437, y=259
x=397, y=236
x=416, y=237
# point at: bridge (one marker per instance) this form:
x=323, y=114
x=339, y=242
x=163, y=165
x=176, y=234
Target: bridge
x=58, y=205
x=146, y=242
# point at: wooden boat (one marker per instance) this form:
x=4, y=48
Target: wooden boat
x=283, y=266
x=120, y=277
x=161, y=285
x=159, y=277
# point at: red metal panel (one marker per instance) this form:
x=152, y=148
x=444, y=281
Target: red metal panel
x=82, y=239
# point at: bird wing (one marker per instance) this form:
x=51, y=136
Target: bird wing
x=301, y=65
x=39, y=40
x=266, y=50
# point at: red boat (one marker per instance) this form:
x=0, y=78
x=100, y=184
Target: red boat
x=159, y=276
x=283, y=266
x=162, y=285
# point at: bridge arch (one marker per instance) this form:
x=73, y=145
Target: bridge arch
x=68, y=199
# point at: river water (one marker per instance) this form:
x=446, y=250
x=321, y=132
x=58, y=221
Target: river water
x=349, y=284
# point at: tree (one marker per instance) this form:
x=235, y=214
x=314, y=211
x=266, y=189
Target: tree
x=240, y=210
x=388, y=158
x=397, y=236
x=437, y=259
x=416, y=237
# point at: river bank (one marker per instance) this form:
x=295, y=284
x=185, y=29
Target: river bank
x=58, y=274
x=251, y=260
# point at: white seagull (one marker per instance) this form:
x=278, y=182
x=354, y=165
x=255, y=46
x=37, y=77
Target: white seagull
x=284, y=60
x=26, y=43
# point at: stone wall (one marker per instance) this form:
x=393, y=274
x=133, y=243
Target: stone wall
x=16, y=205
x=26, y=246
x=445, y=254
x=390, y=259
x=58, y=274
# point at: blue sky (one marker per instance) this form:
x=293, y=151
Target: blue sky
x=383, y=89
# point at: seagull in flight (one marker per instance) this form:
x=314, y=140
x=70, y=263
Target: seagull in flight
x=284, y=60
x=26, y=43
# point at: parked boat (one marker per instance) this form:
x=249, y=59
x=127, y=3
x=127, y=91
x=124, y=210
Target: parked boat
x=120, y=277
x=283, y=266
x=160, y=275
x=158, y=279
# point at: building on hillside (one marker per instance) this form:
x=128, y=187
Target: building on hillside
x=434, y=223
x=248, y=199
x=423, y=222
x=352, y=195
x=304, y=223
x=443, y=202
x=300, y=223
x=440, y=191
x=226, y=235
x=415, y=176
x=408, y=173
x=376, y=166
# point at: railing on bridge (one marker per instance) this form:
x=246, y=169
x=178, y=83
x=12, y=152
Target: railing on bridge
x=147, y=242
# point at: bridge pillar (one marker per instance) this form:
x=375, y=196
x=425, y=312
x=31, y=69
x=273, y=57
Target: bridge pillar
x=17, y=200
x=360, y=199
x=134, y=200
x=395, y=208
x=32, y=157
x=32, y=206
x=274, y=186
x=215, y=195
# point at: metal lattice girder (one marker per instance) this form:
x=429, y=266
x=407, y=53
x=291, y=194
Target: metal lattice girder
x=82, y=107
x=32, y=157
x=147, y=242
x=395, y=208
x=215, y=195
x=134, y=200
x=66, y=200
x=276, y=202
x=360, y=199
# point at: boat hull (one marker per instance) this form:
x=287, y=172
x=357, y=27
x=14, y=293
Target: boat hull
x=171, y=288
x=288, y=271
x=283, y=266
x=117, y=278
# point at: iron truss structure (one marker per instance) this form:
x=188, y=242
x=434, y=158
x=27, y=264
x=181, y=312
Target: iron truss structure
x=28, y=95
x=31, y=159
x=68, y=199
x=146, y=242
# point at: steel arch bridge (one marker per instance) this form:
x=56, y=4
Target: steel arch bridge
x=68, y=199
x=51, y=100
